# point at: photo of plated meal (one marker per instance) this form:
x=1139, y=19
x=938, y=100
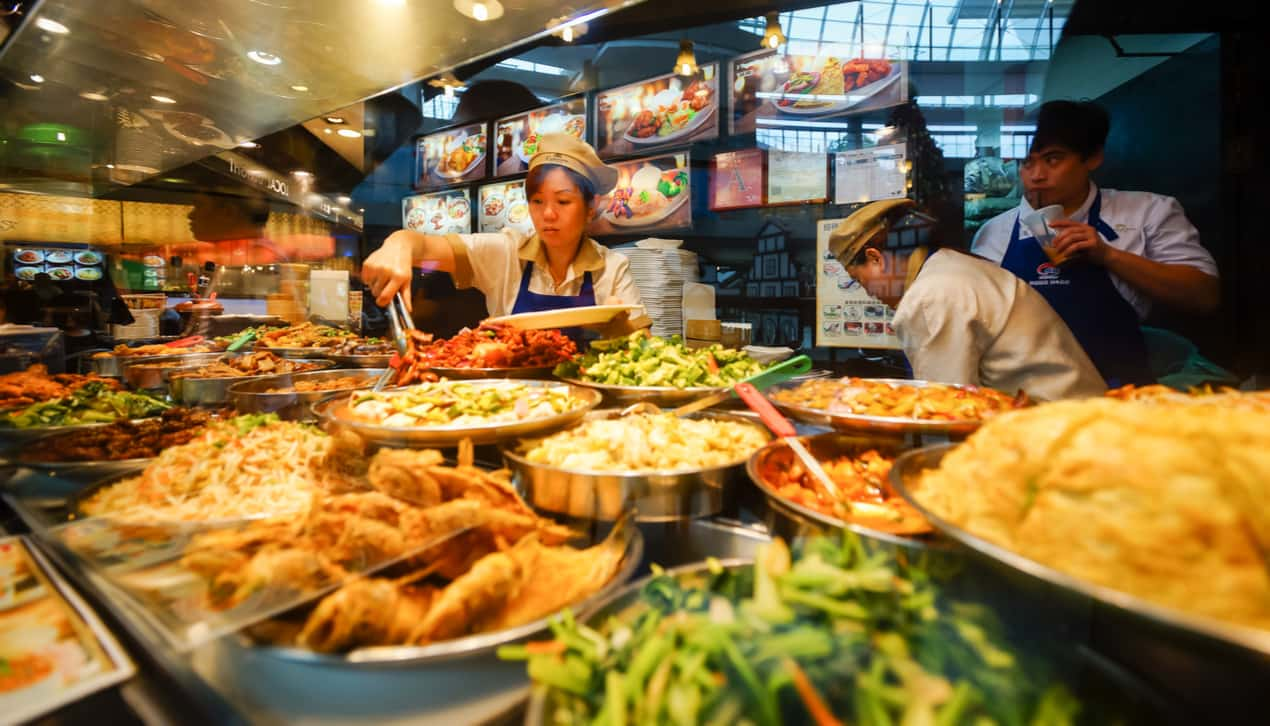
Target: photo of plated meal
x=438, y=213
x=650, y=194
x=450, y=156
x=460, y=155
x=516, y=137
x=661, y=111
x=673, y=114
x=502, y=205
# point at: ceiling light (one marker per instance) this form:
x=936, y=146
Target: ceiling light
x=334, y=120
x=344, y=199
x=94, y=96
x=447, y=83
x=449, y=93
x=248, y=145
x=264, y=58
x=51, y=26
x=480, y=10
x=350, y=133
x=686, y=63
x=773, y=37
x=163, y=99
x=302, y=174
x=110, y=166
x=37, y=78
x=327, y=131
x=300, y=88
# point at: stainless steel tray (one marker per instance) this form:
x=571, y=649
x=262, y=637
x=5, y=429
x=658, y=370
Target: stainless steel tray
x=910, y=466
x=149, y=373
x=215, y=391
x=659, y=395
x=252, y=395
x=110, y=366
x=790, y=519
x=12, y=437
x=333, y=411
x=846, y=421
x=360, y=361
x=472, y=646
x=656, y=496
x=532, y=372
x=295, y=353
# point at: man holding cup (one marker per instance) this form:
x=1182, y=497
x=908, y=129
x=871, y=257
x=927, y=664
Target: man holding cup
x=1100, y=257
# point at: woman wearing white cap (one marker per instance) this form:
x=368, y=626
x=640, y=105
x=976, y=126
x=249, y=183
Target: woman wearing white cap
x=557, y=267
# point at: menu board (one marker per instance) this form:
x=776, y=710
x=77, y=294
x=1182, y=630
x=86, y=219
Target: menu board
x=665, y=111
x=866, y=175
x=516, y=137
x=847, y=316
x=651, y=195
x=736, y=180
x=450, y=157
x=448, y=212
x=501, y=206
x=53, y=650
x=794, y=177
x=59, y=263
x=767, y=88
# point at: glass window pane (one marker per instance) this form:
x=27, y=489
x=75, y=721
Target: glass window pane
x=803, y=47
x=844, y=11
x=804, y=29
x=907, y=14
x=816, y=14
x=839, y=32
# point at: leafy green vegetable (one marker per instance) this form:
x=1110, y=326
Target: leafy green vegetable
x=830, y=634
x=643, y=360
x=92, y=403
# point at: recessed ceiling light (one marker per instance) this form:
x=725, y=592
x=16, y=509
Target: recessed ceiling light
x=37, y=78
x=248, y=145
x=300, y=88
x=51, y=26
x=334, y=120
x=110, y=166
x=264, y=58
x=327, y=131
x=302, y=174
x=94, y=96
x=163, y=99
x=350, y=133
x=480, y=10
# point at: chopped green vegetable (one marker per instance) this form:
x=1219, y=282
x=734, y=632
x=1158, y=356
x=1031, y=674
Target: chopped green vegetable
x=92, y=403
x=643, y=360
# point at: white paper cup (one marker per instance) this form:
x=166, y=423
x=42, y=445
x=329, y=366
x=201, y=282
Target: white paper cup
x=1038, y=223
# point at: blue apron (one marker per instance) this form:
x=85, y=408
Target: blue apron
x=532, y=302
x=1082, y=294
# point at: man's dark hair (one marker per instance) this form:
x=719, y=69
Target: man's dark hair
x=1081, y=126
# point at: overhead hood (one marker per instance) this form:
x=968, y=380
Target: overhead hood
x=98, y=95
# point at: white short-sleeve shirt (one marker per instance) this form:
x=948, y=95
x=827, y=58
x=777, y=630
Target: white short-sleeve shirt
x=966, y=320
x=1149, y=225
x=494, y=264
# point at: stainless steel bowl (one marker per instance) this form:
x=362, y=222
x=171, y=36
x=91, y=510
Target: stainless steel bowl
x=789, y=519
x=255, y=396
x=535, y=372
x=658, y=395
x=656, y=496
x=110, y=366
x=295, y=353
x=858, y=423
x=152, y=372
x=360, y=361
x=333, y=411
x=215, y=391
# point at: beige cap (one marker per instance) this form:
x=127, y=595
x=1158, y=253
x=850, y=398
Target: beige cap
x=866, y=222
x=572, y=153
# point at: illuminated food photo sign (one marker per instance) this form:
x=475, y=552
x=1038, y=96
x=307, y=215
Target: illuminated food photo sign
x=450, y=157
x=669, y=110
x=516, y=137
x=652, y=194
x=448, y=212
x=768, y=89
x=502, y=206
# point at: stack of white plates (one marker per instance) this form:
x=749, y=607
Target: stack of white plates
x=660, y=275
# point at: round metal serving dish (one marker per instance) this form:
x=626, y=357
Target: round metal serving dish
x=110, y=366
x=12, y=436
x=360, y=361
x=472, y=646
x=255, y=396
x=333, y=411
x=295, y=353
x=523, y=373
x=215, y=391
x=151, y=373
x=657, y=496
x=860, y=423
x=658, y=395
x=789, y=519
x=1147, y=619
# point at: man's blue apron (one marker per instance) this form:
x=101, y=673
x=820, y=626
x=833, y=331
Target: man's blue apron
x=532, y=302
x=1082, y=294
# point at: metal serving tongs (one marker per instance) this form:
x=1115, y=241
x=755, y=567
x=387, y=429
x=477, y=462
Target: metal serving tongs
x=786, y=432
x=399, y=323
x=778, y=373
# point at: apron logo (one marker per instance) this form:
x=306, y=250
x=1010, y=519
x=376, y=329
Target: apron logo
x=1047, y=270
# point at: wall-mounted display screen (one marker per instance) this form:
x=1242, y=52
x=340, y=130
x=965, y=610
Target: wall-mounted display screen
x=652, y=194
x=516, y=137
x=665, y=111
x=502, y=205
x=450, y=157
x=447, y=212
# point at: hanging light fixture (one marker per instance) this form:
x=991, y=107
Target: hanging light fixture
x=773, y=37
x=686, y=63
x=447, y=83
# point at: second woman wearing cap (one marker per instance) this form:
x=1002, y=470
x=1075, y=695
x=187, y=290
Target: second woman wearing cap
x=557, y=267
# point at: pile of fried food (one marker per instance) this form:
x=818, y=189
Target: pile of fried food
x=412, y=368
x=865, y=496
x=1206, y=395
x=122, y=440
x=342, y=383
x=303, y=335
x=1166, y=500
x=497, y=345
x=35, y=385
x=467, y=555
x=260, y=363
x=642, y=442
x=139, y=351
x=929, y=402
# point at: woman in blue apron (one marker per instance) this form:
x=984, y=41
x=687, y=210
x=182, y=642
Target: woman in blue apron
x=552, y=266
